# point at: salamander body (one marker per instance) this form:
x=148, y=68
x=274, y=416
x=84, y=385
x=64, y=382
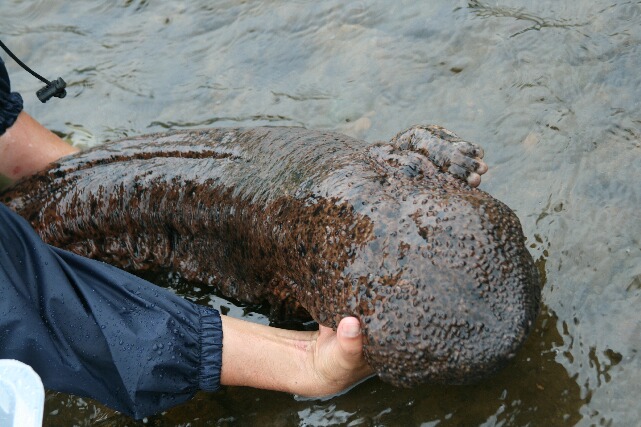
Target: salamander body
x=436, y=271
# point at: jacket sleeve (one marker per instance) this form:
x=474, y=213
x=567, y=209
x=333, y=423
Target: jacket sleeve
x=10, y=102
x=93, y=330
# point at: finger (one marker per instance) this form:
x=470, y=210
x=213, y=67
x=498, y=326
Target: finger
x=474, y=179
x=459, y=171
x=468, y=163
x=482, y=168
x=470, y=149
x=350, y=339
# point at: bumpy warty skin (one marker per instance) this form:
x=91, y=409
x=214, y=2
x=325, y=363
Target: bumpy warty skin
x=437, y=271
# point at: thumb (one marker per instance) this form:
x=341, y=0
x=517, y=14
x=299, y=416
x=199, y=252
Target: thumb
x=350, y=339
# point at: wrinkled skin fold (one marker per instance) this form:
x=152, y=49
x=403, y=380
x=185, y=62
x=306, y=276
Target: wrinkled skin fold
x=436, y=271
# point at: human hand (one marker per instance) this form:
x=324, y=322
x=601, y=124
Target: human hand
x=337, y=360
x=311, y=364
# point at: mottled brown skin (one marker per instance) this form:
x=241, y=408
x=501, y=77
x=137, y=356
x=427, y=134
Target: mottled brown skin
x=437, y=271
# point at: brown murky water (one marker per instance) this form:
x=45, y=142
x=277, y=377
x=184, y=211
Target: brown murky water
x=551, y=89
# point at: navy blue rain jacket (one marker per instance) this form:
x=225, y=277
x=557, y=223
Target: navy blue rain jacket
x=90, y=329
x=10, y=102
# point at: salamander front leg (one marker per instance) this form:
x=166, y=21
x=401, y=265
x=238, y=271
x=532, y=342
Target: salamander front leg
x=446, y=150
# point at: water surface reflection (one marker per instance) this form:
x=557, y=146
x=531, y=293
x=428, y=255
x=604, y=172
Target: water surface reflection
x=551, y=89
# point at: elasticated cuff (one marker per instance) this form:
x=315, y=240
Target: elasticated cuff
x=211, y=349
x=10, y=107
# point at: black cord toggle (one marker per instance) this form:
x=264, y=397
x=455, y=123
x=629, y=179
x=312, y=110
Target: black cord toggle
x=55, y=88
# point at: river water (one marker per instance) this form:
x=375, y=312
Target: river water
x=551, y=89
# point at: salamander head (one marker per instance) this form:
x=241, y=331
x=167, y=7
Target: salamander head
x=445, y=289
x=436, y=270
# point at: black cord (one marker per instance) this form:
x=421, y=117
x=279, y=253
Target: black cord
x=55, y=88
x=23, y=65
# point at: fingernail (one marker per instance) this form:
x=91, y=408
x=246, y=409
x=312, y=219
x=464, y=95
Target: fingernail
x=352, y=330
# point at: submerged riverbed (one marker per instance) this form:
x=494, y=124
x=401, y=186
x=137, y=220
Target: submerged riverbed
x=550, y=89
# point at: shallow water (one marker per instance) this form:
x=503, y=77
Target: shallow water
x=551, y=89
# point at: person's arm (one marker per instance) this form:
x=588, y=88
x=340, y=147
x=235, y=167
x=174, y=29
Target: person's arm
x=25, y=145
x=91, y=329
x=305, y=363
x=28, y=147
